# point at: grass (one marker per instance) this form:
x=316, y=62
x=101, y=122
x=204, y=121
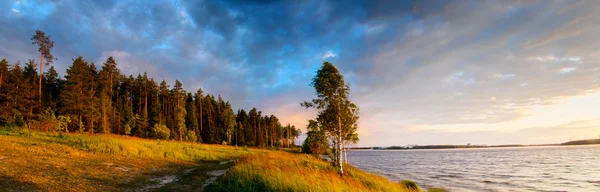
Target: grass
x=80, y=162
x=281, y=171
x=31, y=161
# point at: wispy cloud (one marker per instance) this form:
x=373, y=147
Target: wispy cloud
x=504, y=76
x=328, y=54
x=566, y=70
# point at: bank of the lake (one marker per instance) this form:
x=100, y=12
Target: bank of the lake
x=39, y=161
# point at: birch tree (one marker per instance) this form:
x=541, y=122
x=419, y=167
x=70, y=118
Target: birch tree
x=337, y=115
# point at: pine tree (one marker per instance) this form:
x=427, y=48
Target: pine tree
x=199, y=102
x=191, y=121
x=180, y=109
x=73, y=98
x=44, y=45
x=30, y=99
x=4, y=110
x=51, y=84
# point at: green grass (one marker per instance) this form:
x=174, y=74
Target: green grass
x=31, y=161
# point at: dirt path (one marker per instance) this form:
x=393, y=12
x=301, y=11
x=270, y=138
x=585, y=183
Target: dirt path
x=194, y=179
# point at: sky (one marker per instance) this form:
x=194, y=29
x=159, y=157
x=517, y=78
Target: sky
x=422, y=72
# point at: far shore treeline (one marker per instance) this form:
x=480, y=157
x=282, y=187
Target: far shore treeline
x=102, y=100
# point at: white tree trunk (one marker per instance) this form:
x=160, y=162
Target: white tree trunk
x=345, y=154
x=339, y=146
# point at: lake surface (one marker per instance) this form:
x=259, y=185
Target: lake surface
x=554, y=168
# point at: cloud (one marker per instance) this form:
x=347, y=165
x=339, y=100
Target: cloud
x=567, y=69
x=16, y=11
x=409, y=64
x=328, y=54
x=504, y=76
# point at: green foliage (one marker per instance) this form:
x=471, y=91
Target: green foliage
x=190, y=136
x=161, y=131
x=127, y=129
x=410, y=185
x=105, y=101
x=63, y=123
x=337, y=115
x=436, y=190
x=316, y=140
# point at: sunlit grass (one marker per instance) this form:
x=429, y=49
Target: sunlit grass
x=32, y=161
x=80, y=162
x=281, y=171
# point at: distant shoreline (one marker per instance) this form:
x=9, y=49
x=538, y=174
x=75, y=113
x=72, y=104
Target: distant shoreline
x=577, y=142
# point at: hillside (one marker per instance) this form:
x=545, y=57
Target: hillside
x=583, y=142
x=31, y=161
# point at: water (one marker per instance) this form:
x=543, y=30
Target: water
x=554, y=168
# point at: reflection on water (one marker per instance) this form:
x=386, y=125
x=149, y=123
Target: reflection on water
x=556, y=168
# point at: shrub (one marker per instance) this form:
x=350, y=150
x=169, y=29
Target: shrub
x=190, y=136
x=410, y=185
x=127, y=129
x=63, y=123
x=161, y=131
x=436, y=190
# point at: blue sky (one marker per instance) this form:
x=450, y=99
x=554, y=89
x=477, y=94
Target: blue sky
x=422, y=72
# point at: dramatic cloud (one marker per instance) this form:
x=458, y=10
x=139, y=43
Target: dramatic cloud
x=415, y=68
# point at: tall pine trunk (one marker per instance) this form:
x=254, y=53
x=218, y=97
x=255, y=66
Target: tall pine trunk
x=40, y=87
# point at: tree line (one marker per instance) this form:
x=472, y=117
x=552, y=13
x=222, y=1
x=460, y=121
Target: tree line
x=103, y=100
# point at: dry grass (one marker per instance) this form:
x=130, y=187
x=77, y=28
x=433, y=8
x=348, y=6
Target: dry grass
x=74, y=162
x=281, y=171
x=32, y=161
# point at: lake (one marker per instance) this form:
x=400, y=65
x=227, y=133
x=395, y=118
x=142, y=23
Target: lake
x=552, y=168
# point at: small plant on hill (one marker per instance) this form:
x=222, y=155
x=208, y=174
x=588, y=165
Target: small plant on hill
x=410, y=185
x=161, y=131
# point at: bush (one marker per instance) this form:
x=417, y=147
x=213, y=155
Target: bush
x=63, y=123
x=436, y=190
x=190, y=136
x=127, y=129
x=161, y=131
x=410, y=185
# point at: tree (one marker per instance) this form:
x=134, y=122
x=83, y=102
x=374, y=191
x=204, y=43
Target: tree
x=75, y=98
x=44, y=45
x=229, y=122
x=4, y=92
x=191, y=121
x=51, y=86
x=316, y=140
x=337, y=114
x=3, y=71
x=180, y=109
x=28, y=89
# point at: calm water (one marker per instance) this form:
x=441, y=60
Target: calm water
x=556, y=168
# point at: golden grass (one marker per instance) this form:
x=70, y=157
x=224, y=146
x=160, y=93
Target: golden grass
x=32, y=161
x=281, y=171
x=79, y=162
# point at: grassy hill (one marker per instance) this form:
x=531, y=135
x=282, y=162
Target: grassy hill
x=32, y=161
